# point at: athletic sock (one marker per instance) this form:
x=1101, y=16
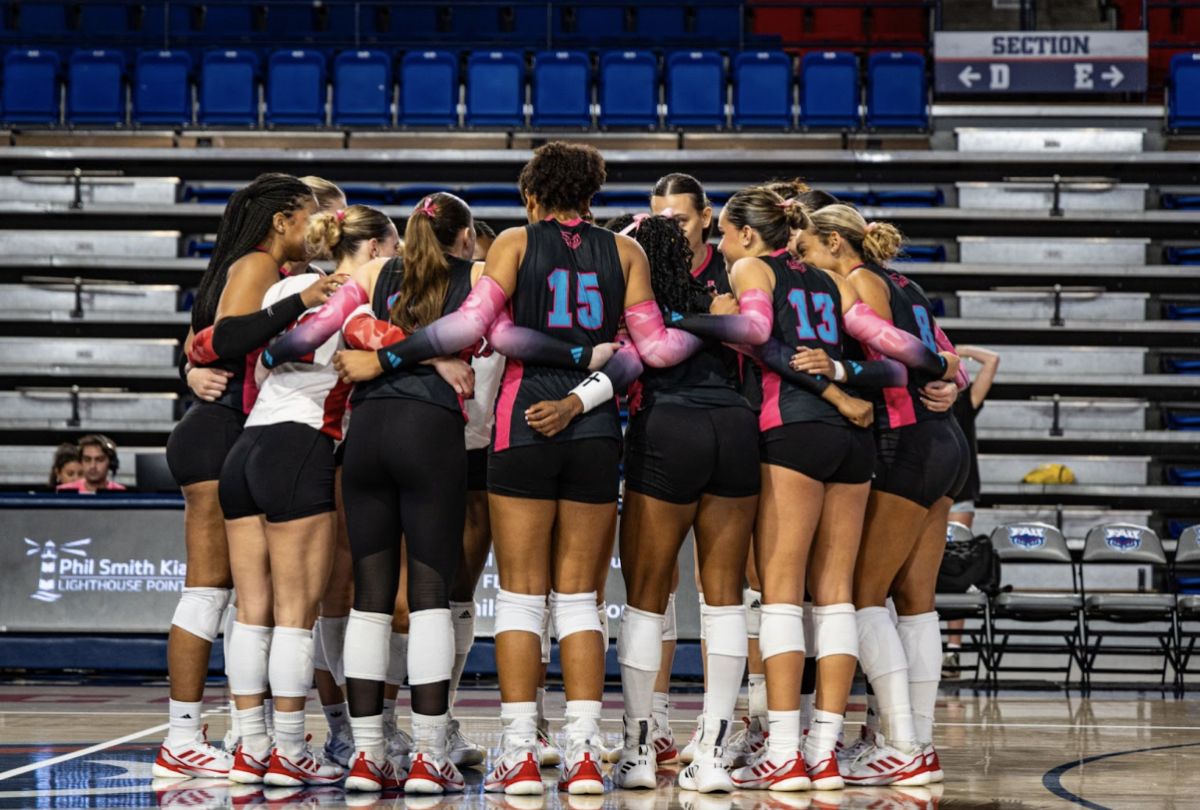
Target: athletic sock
x=757, y=694
x=338, y=717
x=253, y=725
x=269, y=715
x=289, y=732
x=783, y=741
x=823, y=732
x=185, y=722
x=368, y=736
x=662, y=710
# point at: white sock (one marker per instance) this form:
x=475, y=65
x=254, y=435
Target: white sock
x=922, y=641
x=784, y=739
x=389, y=718
x=368, y=735
x=338, y=717
x=269, y=715
x=462, y=617
x=185, y=722
x=289, y=732
x=662, y=709
x=923, y=697
x=807, y=704
x=253, y=725
x=823, y=733
x=895, y=710
x=585, y=710
x=757, y=694
x=872, y=721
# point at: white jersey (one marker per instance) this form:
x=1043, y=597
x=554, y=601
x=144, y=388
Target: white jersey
x=481, y=409
x=308, y=390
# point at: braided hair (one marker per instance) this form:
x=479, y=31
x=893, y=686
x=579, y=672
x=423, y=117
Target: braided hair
x=670, y=257
x=244, y=226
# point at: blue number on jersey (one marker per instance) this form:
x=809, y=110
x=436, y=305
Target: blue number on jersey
x=922, y=316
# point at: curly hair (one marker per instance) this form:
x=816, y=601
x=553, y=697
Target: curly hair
x=670, y=258
x=788, y=189
x=877, y=242
x=339, y=237
x=563, y=176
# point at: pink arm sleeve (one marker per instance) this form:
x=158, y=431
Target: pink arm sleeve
x=963, y=378
x=450, y=333
x=323, y=325
x=865, y=326
x=752, y=326
x=659, y=346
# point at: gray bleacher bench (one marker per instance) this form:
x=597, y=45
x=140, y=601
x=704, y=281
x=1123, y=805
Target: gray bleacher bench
x=1040, y=305
x=1073, y=194
x=109, y=243
x=43, y=188
x=1090, y=470
x=1017, y=250
x=113, y=408
x=1065, y=361
x=88, y=352
x=1072, y=414
x=1058, y=141
x=958, y=276
x=46, y=296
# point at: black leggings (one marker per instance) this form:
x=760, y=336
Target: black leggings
x=405, y=473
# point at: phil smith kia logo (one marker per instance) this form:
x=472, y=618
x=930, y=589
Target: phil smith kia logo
x=66, y=568
x=48, y=552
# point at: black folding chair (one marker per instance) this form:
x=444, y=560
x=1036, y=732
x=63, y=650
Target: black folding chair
x=974, y=606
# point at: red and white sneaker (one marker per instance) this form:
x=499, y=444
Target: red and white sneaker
x=548, y=755
x=304, y=768
x=171, y=792
x=581, y=765
x=866, y=738
x=823, y=770
x=195, y=758
x=517, y=771
x=249, y=768
x=663, y=741
x=748, y=742
x=932, y=764
x=371, y=776
x=431, y=773
x=769, y=775
x=881, y=764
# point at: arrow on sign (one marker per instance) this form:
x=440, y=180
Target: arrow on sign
x=1112, y=76
x=968, y=76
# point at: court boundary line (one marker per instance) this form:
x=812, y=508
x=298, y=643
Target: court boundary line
x=1052, y=779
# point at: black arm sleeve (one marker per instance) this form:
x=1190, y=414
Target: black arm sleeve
x=775, y=355
x=875, y=373
x=243, y=334
x=181, y=364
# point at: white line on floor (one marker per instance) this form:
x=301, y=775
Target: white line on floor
x=1108, y=726
x=83, y=752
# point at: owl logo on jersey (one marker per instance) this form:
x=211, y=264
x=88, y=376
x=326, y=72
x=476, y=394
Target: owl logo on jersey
x=901, y=280
x=797, y=265
x=1027, y=537
x=573, y=240
x=1123, y=538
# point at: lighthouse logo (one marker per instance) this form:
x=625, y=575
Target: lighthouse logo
x=49, y=552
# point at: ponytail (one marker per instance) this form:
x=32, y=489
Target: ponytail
x=877, y=242
x=766, y=212
x=430, y=233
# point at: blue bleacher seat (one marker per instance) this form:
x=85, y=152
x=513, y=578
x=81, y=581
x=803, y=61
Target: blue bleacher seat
x=208, y=195
x=162, y=88
x=908, y=199
x=1180, y=312
x=762, y=89
x=229, y=88
x=623, y=198
x=829, y=90
x=923, y=253
x=849, y=197
x=1183, y=110
x=719, y=21
x=1176, y=527
x=429, y=89
x=31, y=87
x=628, y=89
x=695, y=83
x=719, y=196
x=96, y=87
x=496, y=196
x=296, y=88
x=896, y=94
x=495, y=89
x=412, y=195
x=1183, y=255
x=562, y=89
x=1181, y=420
x=362, y=89
x=595, y=22
x=659, y=21
x=1183, y=476
x=200, y=249
x=367, y=195
x=1182, y=202
x=1181, y=365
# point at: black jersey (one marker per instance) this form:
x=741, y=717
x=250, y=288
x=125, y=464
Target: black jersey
x=912, y=313
x=807, y=312
x=421, y=382
x=570, y=286
x=712, y=377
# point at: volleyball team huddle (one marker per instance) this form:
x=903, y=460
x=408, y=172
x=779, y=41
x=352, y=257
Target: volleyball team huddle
x=788, y=400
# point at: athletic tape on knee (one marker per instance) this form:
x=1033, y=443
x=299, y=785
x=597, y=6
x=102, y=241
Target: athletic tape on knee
x=367, y=635
x=397, y=665
x=639, y=640
x=319, y=649
x=246, y=666
x=782, y=630
x=725, y=630
x=574, y=613
x=835, y=631
x=520, y=612
x=810, y=631
x=200, y=611
x=879, y=649
x=752, y=600
x=670, y=627
x=545, y=636
x=922, y=641
x=462, y=615
x=291, y=663
x=333, y=644
x=430, y=646
x=703, y=635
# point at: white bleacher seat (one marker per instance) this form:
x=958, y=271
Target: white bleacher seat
x=94, y=190
x=1091, y=305
x=1073, y=415
x=1089, y=470
x=43, y=406
x=91, y=352
x=1065, y=361
x=1065, y=141
x=1017, y=250
x=26, y=298
x=1039, y=196
x=125, y=244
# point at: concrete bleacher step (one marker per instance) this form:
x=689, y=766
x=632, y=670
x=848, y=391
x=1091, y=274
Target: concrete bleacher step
x=1170, y=334
x=1073, y=414
x=108, y=243
x=184, y=272
x=1039, y=305
x=111, y=353
x=1016, y=250
x=1065, y=141
x=102, y=190
x=93, y=298
x=956, y=276
x=1173, y=500
x=30, y=465
x=1039, y=196
x=50, y=406
x=1071, y=360
x=1089, y=470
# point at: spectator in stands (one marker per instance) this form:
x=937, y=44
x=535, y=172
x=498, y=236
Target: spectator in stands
x=484, y=236
x=67, y=467
x=98, y=456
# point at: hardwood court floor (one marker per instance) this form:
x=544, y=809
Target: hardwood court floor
x=85, y=746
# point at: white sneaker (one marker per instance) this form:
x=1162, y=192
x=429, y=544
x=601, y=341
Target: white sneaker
x=372, y=776
x=865, y=740
x=399, y=748
x=339, y=747
x=822, y=768
x=882, y=764
x=463, y=751
x=304, y=768
x=688, y=751
x=249, y=767
x=635, y=766
x=516, y=770
x=548, y=755
x=932, y=764
x=708, y=772
x=748, y=741
x=431, y=770
x=581, y=765
x=767, y=774
x=194, y=758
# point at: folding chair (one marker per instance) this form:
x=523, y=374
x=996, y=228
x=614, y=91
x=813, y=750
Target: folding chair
x=967, y=606
x=1187, y=602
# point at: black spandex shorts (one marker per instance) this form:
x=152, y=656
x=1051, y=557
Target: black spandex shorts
x=198, y=445
x=832, y=454
x=477, y=467
x=922, y=462
x=284, y=471
x=676, y=454
x=583, y=470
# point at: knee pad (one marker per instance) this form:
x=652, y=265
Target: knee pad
x=725, y=629
x=333, y=645
x=519, y=612
x=670, y=628
x=639, y=640
x=753, y=602
x=890, y=603
x=200, y=611
x=602, y=616
x=319, y=649
x=810, y=632
x=291, y=667
x=546, y=637
x=835, y=631
x=879, y=649
x=782, y=630
x=574, y=613
x=703, y=634
x=462, y=616
x=246, y=666
x=922, y=641
x=227, y=622
x=397, y=663
x=367, y=645
x=430, y=646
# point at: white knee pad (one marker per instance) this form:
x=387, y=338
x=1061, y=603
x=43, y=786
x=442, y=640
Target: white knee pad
x=333, y=645
x=703, y=634
x=670, y=628
x=366, y=656
x=246, y=666
x=639, y=640
x=397, y=664
x=546, y=637
x=922, y=642
x=725, y=630
x=291, y=668
x=810, y=632
x=602, y=617
x=782, y=630
x=200, y=611
x=319, y=649
x=520, y=612
x=462, y=616
x=430, y=646
x=890, y=603
x=752, y=600
x=835, y=631
x=574, y=613
x=227, y=630
x=879, y=649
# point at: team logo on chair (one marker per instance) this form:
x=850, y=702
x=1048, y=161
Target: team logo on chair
x=1123, y=539
x=1027, y=537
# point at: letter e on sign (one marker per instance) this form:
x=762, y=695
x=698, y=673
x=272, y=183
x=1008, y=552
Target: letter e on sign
x=1083, y=77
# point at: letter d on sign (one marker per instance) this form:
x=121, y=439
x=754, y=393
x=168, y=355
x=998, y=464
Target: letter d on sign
x=999, y=77
x=1083, y=77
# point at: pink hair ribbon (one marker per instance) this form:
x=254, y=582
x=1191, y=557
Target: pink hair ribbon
x=427, y=208
x=340, y=215
x=638, y=219
x=788, y=203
